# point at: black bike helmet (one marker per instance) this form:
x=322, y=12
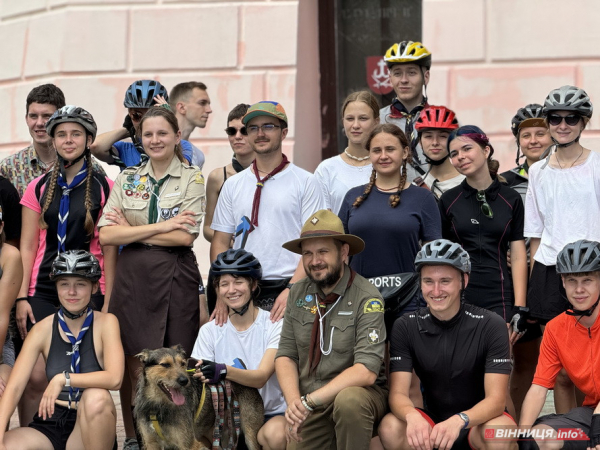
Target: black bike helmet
x=443, y=252
x=70, y=113
x=76, y=263
x=569, y=98
x=524, y=116
x=141, y=94
x=579, y=257
x=236, y=262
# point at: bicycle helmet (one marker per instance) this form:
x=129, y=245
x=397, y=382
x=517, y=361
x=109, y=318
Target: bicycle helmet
x=569, y=98
x=438, y=117
x=578, y=257
x=76, y=263
x=141, y=94
x=70, y=113
x=443, y=252
x=529, y=116
x=406, y=52
x=236, y=262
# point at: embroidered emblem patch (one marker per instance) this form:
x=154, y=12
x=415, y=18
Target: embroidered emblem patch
x=373, y=305
x=373, y=336
x=299, y=303
x=309, y=298
x=165, y=214
x=199, y=178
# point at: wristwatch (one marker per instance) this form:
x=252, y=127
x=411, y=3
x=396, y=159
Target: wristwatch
x=289, y=285
x=68, y=378
x=464, y=417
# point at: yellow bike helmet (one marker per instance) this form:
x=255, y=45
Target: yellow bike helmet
x=406, y=52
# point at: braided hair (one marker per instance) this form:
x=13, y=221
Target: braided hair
x=49, y=193
x=392, y=129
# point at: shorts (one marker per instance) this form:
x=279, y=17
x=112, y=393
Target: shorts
x=576, y=418
x=43, y=307
x=546, y=296
x=8, y=352
x=270, y=416
x=463, y=441
x=58, y=427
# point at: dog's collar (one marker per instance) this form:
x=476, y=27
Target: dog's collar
x=156, y=425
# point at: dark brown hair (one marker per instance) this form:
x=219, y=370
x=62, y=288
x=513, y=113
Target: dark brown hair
x=46, y=94
x=169, y=116
x=393, y=130
x=237, y=112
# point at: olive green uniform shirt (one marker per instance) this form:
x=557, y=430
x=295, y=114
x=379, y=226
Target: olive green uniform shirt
x=354, y=326
x=184, y=190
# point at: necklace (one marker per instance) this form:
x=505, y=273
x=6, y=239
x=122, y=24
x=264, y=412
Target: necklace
x=573, y=163
x=395, y=188
x=355, y=158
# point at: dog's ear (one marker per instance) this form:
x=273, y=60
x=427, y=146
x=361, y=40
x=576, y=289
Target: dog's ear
x=179, y=349
x=143, y=356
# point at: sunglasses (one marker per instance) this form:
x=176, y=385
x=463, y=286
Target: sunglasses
x=232, y=131
x=571, y=119
x=485, y=207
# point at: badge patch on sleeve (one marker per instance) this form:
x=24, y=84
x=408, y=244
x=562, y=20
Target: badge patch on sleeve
x=199, y=178
x=373, y=336
x=373, y=305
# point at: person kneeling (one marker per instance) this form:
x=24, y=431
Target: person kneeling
x=249, y=336
x=460, y=352
x=84, y=360
x=571, y=341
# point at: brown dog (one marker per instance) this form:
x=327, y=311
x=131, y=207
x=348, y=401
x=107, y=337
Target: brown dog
x=168, y=398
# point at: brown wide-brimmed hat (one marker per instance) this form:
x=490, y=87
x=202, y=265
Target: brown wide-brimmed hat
x=324, y=224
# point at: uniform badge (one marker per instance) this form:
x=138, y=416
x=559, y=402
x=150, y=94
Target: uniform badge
x=175, y=211
x=145, y=196
x=136, y=176
x=373, y=336
x=141, y=187
x=309, y=298
x=199, y=178
x=313, y=309
x=137, y=195
x=165, y=214
x=299, y=303
x=130, y=178
x=143, y=179
x=373, y=305
x=128, y=192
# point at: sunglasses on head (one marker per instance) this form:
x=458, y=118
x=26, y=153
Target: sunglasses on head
x=571, y=119
x=485, y=207
x=232, y=131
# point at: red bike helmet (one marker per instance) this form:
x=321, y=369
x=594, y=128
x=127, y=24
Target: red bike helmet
x=438, y=117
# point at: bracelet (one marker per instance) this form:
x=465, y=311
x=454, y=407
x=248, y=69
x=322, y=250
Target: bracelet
x=310, y=402
x=20, y=299
x=289, y=285
x=305, y=404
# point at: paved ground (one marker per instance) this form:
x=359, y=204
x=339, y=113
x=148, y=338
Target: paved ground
x=548, y=408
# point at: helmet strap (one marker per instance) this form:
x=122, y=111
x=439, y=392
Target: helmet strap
x=72, y=316
x=574, y=141
x=586, y=313
x=64, y=164
x=243, y=309
x=439, y=162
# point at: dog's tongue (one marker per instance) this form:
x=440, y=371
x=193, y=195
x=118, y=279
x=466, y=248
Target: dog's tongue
x=178, y=398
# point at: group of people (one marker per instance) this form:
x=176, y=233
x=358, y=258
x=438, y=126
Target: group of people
x=396, y=298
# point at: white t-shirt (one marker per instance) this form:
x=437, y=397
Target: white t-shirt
x=562, y=206
x=287, y=201
x=224, y=344
x=337, y=177
x=442, y=186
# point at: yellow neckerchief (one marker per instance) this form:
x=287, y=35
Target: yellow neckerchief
x=154, y=420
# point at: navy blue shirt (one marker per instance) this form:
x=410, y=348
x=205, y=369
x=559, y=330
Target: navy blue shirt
x=486, y=240
x=392, y=236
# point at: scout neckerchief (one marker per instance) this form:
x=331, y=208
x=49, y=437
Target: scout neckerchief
x=260, y=183
x=398, y=110
x=65, y=202
x=153, y=210
x=316, y=335
x=236, y=165
x=75, y=359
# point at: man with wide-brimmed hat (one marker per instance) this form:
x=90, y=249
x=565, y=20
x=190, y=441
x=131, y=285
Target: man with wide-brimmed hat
x=330, y=358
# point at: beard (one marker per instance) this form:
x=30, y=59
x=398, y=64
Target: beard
x=330, y=278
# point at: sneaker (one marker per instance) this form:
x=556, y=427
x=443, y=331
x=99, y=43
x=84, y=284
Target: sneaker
x=131, y=444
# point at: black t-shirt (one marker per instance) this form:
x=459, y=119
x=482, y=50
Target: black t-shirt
x=451, y=357
x=11, y=209
x=486, y=240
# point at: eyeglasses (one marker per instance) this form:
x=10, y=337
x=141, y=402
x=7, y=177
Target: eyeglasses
x=267, y=127
x=232, y=131
x=485, y=207
x=571, y=119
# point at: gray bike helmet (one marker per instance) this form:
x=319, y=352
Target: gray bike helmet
x=443, y=252
x=141, y=94
x=578, y=257
x=236, y=262
x=569, y=98
x=70, y=113
x=525, y=114
x=76, y=263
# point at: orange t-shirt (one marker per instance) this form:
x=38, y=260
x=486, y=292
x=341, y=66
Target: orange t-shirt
x=567, y=343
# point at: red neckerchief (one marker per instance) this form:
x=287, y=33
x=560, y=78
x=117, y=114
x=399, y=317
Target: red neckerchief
x=260, y=183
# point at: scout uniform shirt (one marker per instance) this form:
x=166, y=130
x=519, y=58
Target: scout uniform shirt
x=183, y=190
x=356, y=322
